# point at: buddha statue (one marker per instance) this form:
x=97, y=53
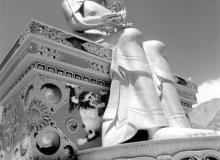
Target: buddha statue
x=143, y=103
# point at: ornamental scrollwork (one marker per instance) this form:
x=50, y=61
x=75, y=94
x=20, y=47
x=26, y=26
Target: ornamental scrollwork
x=197, y=155
x=99, y=67
x=97, y=50
x=66, y=39
x=49, y=33
x=44, y=51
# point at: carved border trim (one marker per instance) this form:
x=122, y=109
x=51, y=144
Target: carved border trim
x=55, y=54
x=71, y=74
x=58, y=71
x=197, y=155
x=35, y=48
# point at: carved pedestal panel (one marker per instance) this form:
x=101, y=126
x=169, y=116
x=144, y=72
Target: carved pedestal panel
x=41, y=121
x=54, y=90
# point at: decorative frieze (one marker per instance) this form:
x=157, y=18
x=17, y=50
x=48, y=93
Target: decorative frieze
x=62, y=72
x=98, y=67
x=74, y=75
x=69, y=40
x=97, y=50
x=55, y=54
x=45, y=51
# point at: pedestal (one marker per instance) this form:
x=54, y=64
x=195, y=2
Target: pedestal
x=176, y=149
x=54, y=90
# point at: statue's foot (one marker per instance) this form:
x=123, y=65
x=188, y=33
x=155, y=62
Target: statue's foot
x=173, y=133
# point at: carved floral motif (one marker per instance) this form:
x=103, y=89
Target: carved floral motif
x=97, y=50
x=50, y=33
x=44, y=51
x=38, y=115
x=11, y=123
x=69, y=40
x=99, y=67
x=55, y=54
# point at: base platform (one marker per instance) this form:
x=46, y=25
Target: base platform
x=204, y=148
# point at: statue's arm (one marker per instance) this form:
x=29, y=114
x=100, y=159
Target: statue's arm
x=80, y=23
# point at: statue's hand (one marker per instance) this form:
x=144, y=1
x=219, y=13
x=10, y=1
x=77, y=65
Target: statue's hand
x=109, y=17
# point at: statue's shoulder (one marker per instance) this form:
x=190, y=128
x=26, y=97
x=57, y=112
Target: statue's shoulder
x=75, y=4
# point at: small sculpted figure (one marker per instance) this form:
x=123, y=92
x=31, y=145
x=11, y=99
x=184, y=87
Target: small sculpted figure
x=90, y=110
x=143, y=99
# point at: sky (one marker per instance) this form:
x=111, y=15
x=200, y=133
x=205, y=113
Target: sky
x=189, y=28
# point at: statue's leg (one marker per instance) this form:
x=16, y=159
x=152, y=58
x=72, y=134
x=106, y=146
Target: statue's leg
x=133, y=103
x=179, y=126
x=170, y=100
x=172, y=106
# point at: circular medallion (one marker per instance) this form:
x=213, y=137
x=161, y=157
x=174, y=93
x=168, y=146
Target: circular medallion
x=68, y=151
x=48, y=142
x=72, y=125
x=52, y=93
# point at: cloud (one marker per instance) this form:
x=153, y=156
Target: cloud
x=208, y=90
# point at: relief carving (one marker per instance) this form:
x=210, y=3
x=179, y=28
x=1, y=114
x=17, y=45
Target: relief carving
x=197, y=155
x=10, y=123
